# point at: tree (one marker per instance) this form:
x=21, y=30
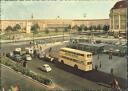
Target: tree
x=65, y=29
x=75, y=27
x=16, y=27
x=35, y=28
x=85, y=28
x=9, y=28
x=79, y=29
x=46, y=31
x=106, y=28
x=99, y=27
x=94, y=27
x=90, y=27
x=82, y=26
x=56, y=30
x=69, y=26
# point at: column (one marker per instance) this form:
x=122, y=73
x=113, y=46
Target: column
x=119, y=22
x=113, y=21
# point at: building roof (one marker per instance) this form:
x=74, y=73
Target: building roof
x=75, y=50
x=121, y=4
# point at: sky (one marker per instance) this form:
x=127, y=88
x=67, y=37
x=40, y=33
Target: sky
x=68, y=9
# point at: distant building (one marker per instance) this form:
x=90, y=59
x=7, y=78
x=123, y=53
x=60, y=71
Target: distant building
x=118, y=17
x=51, y=23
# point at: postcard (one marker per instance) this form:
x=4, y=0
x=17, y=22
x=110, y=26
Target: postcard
x=64, y=45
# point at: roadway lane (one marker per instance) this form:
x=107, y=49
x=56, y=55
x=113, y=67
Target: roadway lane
x=63, y=76
x=10, y=78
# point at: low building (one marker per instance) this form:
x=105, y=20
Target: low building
x=51, y=23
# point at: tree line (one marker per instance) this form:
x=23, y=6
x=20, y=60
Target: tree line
x=82, y=27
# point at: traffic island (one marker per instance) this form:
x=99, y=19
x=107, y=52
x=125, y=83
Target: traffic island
x=27, y=73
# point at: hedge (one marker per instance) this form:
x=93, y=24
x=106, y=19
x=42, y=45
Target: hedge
x=25, y=71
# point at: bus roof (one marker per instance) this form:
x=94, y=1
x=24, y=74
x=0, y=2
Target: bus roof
x=95, y=45
x=75, y=50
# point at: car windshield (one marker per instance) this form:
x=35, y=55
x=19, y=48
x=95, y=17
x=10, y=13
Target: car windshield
x=46, y=66
x=27, y=55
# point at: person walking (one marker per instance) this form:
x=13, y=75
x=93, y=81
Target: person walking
x=115, y=85
x=110, y=54
x=111, y=71
x=100, y=64
x=98, y=56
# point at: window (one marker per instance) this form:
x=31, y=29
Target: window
x=88, y=63
x=74, y=60
x=89, y=55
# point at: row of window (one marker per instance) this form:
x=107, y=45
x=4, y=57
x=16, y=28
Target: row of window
x=88, y=63
x=74, y=60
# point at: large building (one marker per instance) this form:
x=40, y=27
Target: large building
x=51, y=23
x=118, y=17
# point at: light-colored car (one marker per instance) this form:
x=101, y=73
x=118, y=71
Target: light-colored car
x=28, y=57
x=41, y=55
x=46, y=68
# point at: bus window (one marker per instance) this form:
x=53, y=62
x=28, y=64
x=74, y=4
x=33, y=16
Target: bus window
x=88, y=63
x=88, y=55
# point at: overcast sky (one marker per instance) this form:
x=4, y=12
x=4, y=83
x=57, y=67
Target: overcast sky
x=93, y=9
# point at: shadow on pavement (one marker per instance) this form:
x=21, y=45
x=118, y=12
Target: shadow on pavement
x=99, y=77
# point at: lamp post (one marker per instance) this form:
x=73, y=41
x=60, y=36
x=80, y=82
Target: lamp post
x=127, y=39
x=33, y=30
x=63, y=31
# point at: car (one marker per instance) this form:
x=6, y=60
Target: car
x=17, y=58
x=10, y=54
x=41, y=55
x=116, y=52
x=46, y=68
x=28, y=57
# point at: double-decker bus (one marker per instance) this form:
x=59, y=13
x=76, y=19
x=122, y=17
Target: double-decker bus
x=76, y=58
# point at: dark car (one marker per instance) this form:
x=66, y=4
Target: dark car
x=10, y=54
x=17, y=58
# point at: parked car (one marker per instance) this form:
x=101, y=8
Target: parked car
x=41, y=55
x=17, y=58
x=27, y=57
x=46, y=68
x=10, y=54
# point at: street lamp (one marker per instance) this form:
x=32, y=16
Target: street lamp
x=63, y=30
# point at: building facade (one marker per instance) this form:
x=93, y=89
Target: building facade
x=118, y=17
x=51, y=23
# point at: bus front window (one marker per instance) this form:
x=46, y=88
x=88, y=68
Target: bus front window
x=88, y=55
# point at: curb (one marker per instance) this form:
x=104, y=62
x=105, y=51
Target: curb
x=50, y=87
x=28, y=39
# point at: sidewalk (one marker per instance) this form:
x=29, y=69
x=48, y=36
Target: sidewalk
x=27, y=39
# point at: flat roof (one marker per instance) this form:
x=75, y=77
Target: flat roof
x=89, y=44
x=75, y=50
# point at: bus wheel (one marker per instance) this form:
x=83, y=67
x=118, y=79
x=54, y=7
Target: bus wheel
x=62, y=61
x=75, y=66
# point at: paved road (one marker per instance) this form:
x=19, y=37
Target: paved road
x=62, y=73
x=11, y=78
x=63, y=78
x=119, y=64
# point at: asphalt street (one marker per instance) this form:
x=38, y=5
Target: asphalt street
x=63, y=75
x=12, y=78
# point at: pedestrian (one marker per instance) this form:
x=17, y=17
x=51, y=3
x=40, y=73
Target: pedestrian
x=24, y=63
x=100, y=64
x=50, y=49
x=111, y=71
x=96, y=67
x=115, y=85
x=110, y=54
x=98, y=56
